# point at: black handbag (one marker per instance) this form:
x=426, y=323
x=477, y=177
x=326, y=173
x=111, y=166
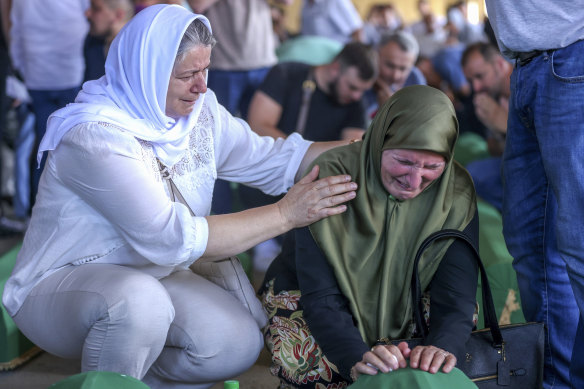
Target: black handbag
x=509, y=356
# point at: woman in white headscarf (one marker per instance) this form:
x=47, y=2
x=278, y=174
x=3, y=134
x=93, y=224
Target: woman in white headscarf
x=103, y=273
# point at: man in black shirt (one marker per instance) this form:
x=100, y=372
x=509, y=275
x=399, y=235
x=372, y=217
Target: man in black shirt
x=323, y=103
x=334, y=110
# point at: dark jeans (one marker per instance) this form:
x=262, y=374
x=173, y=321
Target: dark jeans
x=234, y=90
x=486, y=175
x=543, y=204
x=44, y=103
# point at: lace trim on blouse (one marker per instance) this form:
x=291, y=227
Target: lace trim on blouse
x=197, y=165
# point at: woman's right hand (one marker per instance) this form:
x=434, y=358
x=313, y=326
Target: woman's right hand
x=309, y=201
x=384, y=358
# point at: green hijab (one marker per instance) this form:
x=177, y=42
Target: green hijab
x=372, y=245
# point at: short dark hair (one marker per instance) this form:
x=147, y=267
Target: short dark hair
x=361, y=56
x=487, y=50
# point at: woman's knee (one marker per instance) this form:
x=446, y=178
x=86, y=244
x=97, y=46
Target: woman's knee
x=141, y=304
x=236, y=336
x=247, y=341
x=208, y=354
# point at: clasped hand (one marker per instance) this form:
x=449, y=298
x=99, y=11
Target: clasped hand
x=491, y=113
x=309, y=201
x=386, y=358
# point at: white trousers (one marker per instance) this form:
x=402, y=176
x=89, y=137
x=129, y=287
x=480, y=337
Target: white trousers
x=178, y=332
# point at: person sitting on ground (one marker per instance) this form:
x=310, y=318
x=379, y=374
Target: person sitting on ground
x=103, y=274
x=343, y=283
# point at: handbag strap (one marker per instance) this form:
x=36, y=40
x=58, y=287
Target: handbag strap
x=490, y=315
x=173, y=190
x=308, y=87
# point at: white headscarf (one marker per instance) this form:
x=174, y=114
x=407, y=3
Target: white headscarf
x=132, y=94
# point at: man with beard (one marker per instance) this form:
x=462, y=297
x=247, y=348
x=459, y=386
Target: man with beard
x=106, y=18
x=323, y=103
x=489, y=74
x=334, y=110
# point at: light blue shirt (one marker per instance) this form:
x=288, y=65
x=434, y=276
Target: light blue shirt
x=334, y=19
x=522, y=26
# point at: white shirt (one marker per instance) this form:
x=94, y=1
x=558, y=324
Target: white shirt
x=46, y=42
x=102, y=199
x=334, y=19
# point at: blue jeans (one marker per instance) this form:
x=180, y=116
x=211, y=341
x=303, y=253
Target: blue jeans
x=543, y=206
x=486, y=175
x=22, y=162
x=234, y=90
x=44, y=103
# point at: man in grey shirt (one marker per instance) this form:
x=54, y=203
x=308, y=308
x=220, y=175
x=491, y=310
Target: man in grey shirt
x=543, y=203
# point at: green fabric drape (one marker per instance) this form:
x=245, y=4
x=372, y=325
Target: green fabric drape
x=371, y=246
x=414, y=379
x=99, y=380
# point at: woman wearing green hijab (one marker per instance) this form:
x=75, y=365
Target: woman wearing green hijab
x=344, y=282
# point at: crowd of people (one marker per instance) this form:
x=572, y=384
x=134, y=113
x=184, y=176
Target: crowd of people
x=333, y=148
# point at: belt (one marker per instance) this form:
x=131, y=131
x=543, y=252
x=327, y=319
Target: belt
x=523, y=58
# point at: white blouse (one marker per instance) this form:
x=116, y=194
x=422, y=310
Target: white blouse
x=101, y=197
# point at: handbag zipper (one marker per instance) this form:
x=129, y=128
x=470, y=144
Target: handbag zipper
x=481, y=379
x=512, y=373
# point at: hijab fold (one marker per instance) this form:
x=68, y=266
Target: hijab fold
x=132, y=94
x=372, y=245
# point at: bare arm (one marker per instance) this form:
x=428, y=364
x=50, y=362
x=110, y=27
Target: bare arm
x=306, y=202
x=200, y=6
x=264, y=114
x=351, y=133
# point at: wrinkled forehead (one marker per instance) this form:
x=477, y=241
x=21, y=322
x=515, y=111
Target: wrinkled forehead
x=414, y=154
